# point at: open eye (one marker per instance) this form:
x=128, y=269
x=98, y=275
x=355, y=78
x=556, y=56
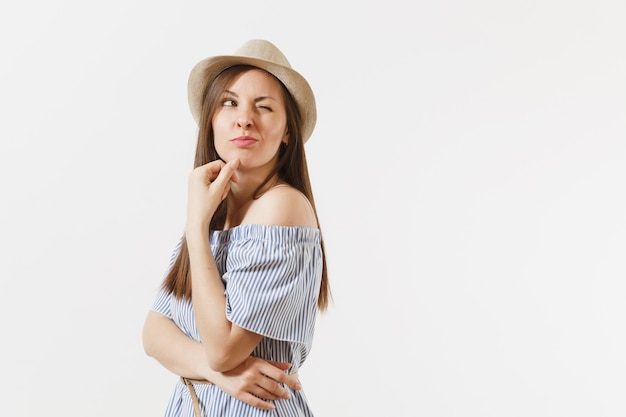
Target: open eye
x=229, y=103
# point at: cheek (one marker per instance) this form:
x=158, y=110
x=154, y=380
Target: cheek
x=220, y=134
x=221, y=129
x=280, y=130
x=217, y=122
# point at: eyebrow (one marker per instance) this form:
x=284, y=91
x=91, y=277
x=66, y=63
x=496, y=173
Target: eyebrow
x=256, y=100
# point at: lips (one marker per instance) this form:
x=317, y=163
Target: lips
x=243, y=141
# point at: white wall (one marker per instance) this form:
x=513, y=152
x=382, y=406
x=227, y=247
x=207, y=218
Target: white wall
x=468, y=163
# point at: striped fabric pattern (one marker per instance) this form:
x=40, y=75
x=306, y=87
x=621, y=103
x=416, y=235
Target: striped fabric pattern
x=272, y=279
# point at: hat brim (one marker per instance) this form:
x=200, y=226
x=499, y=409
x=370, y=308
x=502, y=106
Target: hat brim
x=205, y=71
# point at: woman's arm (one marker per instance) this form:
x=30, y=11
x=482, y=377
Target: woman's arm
x=254, y=378
x=226, y=345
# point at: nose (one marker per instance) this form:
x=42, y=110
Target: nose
x=244, y=122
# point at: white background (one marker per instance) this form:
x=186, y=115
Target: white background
x=469, y=168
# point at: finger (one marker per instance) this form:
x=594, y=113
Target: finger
x=226, y=191
x=234, y=164
x=234, y=177
x=268, y=395
x=213, y=170
x=207, y=172
x=226, y=173
x=215, y=166
x=222, y=182
x=272, y=388
x=276, y=372
x=256, y=402
x=291, y=381
x=280, y=365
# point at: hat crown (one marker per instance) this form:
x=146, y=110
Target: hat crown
x=265, y=50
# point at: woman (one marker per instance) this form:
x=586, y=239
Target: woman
x=249, y=275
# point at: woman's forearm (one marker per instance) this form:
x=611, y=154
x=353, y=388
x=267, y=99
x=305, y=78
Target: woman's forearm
x=209, y=302
x=226, y=345
x=164, y=341
x=254, y=382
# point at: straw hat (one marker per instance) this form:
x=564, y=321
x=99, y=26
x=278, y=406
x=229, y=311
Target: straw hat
x=262, y=54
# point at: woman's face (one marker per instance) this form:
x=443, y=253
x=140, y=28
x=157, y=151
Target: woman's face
x=250, y=122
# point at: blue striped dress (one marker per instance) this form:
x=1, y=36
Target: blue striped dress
x=272, y=278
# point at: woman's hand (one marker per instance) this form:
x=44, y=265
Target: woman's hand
x=164, y=341
x=208, y=186
x=255, y=381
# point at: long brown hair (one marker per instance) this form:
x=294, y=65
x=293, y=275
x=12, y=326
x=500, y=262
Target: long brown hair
x=291, y=168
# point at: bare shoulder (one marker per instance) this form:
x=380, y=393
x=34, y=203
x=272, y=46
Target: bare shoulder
x=282, y=206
